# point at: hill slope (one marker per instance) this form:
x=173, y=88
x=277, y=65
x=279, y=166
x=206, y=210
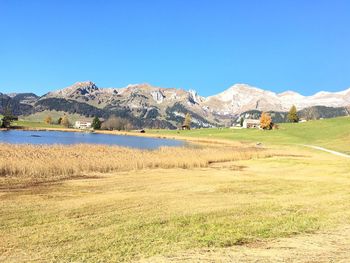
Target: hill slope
x=329, y=133
x=310, y=113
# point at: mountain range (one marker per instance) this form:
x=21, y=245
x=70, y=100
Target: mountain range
x=149, y=106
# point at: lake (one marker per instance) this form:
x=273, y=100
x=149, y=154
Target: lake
x=57, y=137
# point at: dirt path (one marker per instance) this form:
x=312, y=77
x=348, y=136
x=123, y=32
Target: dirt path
x=321, y=247
x=327, y=150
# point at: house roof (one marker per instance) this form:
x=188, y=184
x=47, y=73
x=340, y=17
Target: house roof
x=251, y=121
x=80, y=121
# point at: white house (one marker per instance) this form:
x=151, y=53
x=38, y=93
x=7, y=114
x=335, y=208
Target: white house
x=82, y=125
x=251, y=123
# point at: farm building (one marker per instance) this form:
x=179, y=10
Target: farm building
x=251, y=123
x=82, y=125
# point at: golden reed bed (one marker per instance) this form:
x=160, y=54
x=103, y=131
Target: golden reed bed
x=27, y=164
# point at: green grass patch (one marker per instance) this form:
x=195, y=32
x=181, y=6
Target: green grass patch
x=330, y=133
x=34, y=124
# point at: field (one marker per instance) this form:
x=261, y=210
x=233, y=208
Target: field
x=329, y=133
x=35, y=125
x=207, y=202
x=55, y=115
x=25, y=165
x=36, y=121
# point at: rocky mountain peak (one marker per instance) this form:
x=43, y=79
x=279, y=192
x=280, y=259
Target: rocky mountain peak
x=244, y=87
x=85, y=87
x=11, y=95
x=194, y=97
x=289, y=93
x=237, y=90
x=87, y=83
x=78, y=88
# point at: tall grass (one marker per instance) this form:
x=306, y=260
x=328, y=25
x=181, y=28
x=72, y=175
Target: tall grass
x=34, y=164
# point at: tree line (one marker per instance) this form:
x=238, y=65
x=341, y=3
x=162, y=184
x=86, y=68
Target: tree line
x=118, y=123
x=266, y=121
x=112, y=123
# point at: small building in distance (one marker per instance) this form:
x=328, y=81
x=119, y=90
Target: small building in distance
x=251, y=123
x=83, y=125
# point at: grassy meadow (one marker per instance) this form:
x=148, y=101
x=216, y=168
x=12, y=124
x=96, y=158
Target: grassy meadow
x=132, y=215
x=39, y=117
x=88, y=203
x=329, y=133
x=35, y=124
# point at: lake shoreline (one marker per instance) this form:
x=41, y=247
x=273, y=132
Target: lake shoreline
x=139, y=134
x=73, y=137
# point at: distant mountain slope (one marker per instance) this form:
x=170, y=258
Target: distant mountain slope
x=318, y=112
x=149, y=106
x=142, y=104
x=310, y=113
x=19, y=104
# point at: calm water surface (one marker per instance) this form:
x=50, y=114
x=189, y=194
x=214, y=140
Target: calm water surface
x=57, y=137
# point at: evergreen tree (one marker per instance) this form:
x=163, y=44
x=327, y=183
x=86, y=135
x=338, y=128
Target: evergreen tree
x=7, y=118
x=293, y=115
x=241, y=121
x=187, y=121
x=96, y=123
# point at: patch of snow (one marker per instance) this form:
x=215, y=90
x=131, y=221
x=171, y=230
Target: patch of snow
x=180, y=114
x=194, y=96
x=157, y=96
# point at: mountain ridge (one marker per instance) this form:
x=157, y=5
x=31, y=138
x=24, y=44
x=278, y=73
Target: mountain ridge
x=322, y=92
x=144, y=103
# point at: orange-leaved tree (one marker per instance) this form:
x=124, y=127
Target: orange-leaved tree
x=48, y=119
x=265, y=121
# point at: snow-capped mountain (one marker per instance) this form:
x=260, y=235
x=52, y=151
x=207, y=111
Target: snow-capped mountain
x=147, y=105
x=242, y=97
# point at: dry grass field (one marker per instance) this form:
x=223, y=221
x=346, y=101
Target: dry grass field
x=117, y=204
x=24, y=165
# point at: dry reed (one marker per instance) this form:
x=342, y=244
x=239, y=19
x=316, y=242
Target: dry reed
x=35, y=164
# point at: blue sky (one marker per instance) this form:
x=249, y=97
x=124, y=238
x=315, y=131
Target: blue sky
x=192, y=44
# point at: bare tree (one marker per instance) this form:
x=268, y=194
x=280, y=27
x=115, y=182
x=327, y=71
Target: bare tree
x=116, y=123
x=65, y=121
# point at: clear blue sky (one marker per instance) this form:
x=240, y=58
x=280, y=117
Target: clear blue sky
x=191, y=44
